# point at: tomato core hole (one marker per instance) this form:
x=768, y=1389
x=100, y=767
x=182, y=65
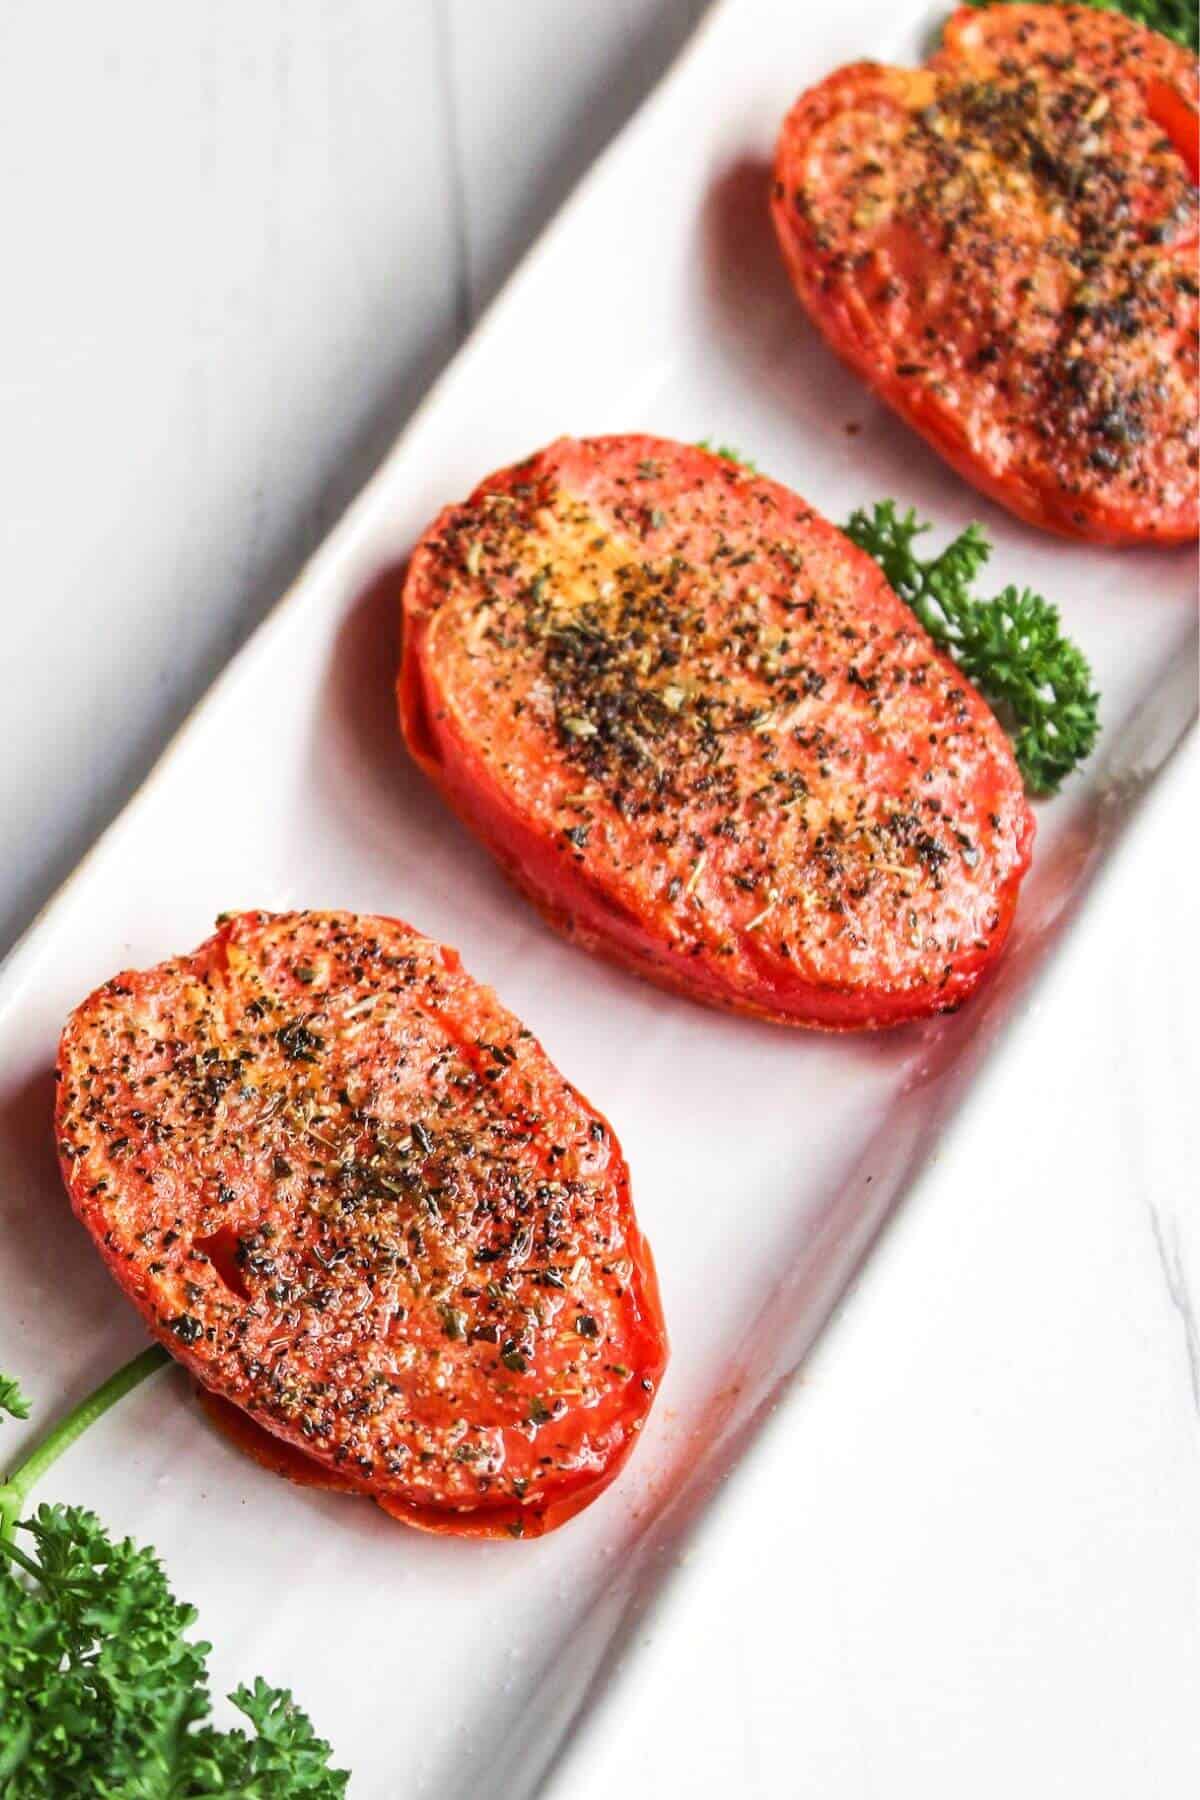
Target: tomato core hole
x=221, y=1250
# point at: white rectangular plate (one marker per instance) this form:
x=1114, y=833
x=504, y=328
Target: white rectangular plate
x=763, y=1161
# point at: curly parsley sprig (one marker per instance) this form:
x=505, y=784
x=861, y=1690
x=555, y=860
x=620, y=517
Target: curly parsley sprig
x=102, y=1693
x=1012, y=647
x=1176, y=19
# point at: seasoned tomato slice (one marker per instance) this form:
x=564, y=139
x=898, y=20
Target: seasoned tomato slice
x=1003, y=245
x=352, y=1194
x=697, y=727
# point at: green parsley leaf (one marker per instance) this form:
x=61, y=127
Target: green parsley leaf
x=12, y=1400
x=285, y=1756
x=1011, y=647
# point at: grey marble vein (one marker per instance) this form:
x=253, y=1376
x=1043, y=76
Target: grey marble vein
x=1170, y=1256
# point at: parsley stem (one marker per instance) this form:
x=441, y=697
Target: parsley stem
x=60, y=1437
x=19, y=1557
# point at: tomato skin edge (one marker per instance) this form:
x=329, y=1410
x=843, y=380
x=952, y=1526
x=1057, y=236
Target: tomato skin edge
x=499, y=1521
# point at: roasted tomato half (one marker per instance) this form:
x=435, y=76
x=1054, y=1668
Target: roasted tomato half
x=1003, y=245
x=698, y=728
x=353, y=1195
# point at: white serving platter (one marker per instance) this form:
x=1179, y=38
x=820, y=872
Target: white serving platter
x=764, y=1162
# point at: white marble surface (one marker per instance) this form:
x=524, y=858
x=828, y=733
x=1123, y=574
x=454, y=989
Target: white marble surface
x=239, y=242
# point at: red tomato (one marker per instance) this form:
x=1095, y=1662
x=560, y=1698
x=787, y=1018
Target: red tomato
x=1003, y=246
x=351, y=1193
x=699, y=730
